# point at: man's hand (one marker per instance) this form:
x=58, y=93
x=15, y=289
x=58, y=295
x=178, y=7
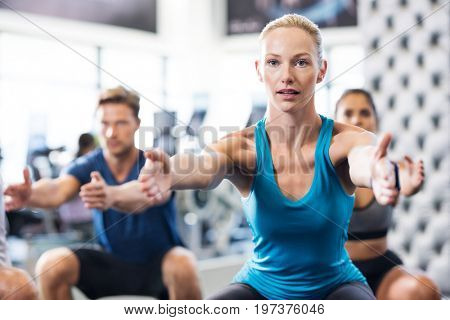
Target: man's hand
x=155, y=176
x=383, y=174
x=18, y=194
x=411, y=176
x=95, y=194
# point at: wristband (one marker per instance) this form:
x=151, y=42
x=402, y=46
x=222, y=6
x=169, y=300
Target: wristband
x=397, y=176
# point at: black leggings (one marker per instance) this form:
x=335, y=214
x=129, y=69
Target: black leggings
x=347, y=291
x=375, y=269
x=351, y=291
x=237, y=291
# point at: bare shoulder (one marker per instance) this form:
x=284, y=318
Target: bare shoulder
x=246, y=138
x=239, y=150
x=348, y=134
x=345, y=137
x=245, y=135
x=236, y=142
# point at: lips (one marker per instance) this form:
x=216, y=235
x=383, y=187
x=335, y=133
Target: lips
x=113, y=144
x=288, y=94
x=288, y=91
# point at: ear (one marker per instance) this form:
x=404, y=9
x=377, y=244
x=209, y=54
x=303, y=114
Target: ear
x=138, y=124
x=322, y=71
x=258, y=71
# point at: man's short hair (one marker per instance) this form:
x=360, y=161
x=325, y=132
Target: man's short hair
x=121, y=95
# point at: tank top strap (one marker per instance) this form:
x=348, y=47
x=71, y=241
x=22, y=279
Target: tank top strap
x=262, y=147
x=323, y=143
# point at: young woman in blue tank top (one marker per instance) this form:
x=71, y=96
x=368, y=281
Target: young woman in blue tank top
x=297, y=172
x=367, y=244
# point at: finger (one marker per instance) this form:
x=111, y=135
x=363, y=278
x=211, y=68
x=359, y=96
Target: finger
x=9, y=191
x=388, y=201
x=390, y=170
x=159, y=156
x=420, y=165
x=153, y=167
x=152, y=200
x=392, y=200
x=88, y=190
x=154, y=155
x=26, y=176
x=408, y=159
x=149, y=167
x=100, y=193
x=144, y=188
x=154, y=189
x=159, y=196
x=145, y=183
x=8, y=204
x=92, y=194
x=382, y=146
x=94, y=205
x=92, y=187
x=12, y=189
x=93, y=199
x=389, y=192
x=91, y=204
x=384, y=168
x=11, y=204
x=144, y=177
x=149, y=190
x=383, y=200
x=96, y=176
x=386, y=183
x=151, y=195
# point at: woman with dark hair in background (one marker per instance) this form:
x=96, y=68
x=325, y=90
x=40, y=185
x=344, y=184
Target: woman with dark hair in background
x=86, y=143
x=73, y=213
x=367, y=241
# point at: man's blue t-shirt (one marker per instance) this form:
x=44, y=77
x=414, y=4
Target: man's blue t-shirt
x=133, y=237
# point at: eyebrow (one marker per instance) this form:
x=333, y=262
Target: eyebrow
x=295, y=56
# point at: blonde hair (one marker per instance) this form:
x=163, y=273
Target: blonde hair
x=293, y=20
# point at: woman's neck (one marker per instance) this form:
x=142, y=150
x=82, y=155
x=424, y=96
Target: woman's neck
x=293, y=129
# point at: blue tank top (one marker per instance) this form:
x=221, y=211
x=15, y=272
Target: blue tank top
x=298, y=245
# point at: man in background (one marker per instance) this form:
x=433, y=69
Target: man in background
x=141, y=252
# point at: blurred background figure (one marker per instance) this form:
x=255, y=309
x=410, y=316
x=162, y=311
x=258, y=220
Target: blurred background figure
x=14, y=283
x=73, y=214
x=370, y=222
x=86, y=143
